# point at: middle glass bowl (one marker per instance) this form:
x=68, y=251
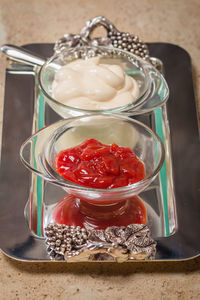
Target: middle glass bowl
x=39, y=151
x=153, y=89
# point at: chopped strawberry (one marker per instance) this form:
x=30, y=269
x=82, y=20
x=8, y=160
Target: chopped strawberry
x=97, y=165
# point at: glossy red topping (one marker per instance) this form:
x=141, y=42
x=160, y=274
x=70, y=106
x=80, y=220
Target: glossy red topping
x=96, y=165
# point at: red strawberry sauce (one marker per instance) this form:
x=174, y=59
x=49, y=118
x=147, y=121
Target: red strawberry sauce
x=93, y=164
x=96, y=165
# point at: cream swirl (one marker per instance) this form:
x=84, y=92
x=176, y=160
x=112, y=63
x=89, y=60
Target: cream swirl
x=88, y=84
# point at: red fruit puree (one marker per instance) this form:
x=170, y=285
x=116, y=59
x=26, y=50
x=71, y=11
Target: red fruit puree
x=96, y=165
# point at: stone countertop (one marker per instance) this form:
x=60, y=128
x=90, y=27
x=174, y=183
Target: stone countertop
x=173, y=21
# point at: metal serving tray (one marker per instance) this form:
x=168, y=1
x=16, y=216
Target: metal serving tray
x=174, y=196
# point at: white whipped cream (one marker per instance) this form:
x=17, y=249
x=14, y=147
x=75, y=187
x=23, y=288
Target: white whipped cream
x=88, y=84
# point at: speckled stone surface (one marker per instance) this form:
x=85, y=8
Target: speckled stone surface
x=173, y=21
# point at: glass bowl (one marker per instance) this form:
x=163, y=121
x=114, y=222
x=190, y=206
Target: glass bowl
x=39, y=151
x=91, y=207
x=153, y=89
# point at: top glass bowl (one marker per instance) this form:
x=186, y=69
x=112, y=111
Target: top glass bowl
x=39, y=151
x=153, y=89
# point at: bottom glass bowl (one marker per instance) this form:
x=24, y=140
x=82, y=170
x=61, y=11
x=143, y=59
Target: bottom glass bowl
x=39, y=151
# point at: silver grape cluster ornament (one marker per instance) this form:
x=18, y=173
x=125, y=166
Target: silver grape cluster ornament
x=115, y=38
x=119, y=244
x=128, y=42
x=64, y=240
